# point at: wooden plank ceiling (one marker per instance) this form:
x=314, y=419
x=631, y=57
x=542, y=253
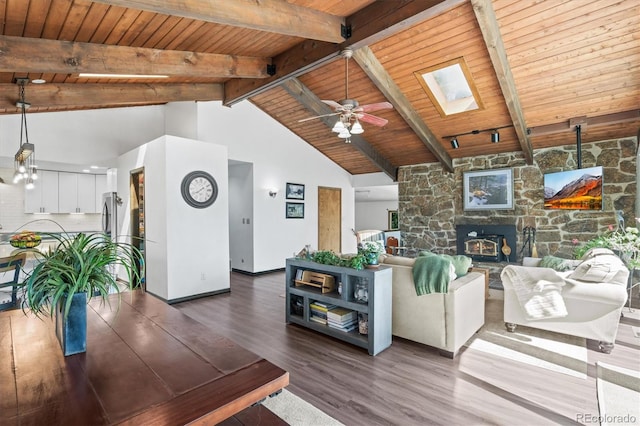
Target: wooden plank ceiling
x=540, y=68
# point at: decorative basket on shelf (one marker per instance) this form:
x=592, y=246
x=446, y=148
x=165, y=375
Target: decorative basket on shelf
x=25, y=239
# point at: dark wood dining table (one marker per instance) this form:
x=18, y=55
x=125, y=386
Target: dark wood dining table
x=146, y=363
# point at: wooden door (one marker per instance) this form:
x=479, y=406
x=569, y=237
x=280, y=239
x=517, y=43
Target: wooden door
x=330, y=219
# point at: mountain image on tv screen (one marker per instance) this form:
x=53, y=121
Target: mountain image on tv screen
x=574, y=189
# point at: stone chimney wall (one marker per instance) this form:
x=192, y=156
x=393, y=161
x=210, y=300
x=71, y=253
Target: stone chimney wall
x=430, y=199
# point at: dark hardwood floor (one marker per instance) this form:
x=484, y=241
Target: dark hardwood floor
x=408, y=383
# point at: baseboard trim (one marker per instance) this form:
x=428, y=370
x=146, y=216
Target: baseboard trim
x=239, y=271
x=187, y=298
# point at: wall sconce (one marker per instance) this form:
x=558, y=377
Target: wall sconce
x=454, y=143
x=273, y=193
x=495, y=137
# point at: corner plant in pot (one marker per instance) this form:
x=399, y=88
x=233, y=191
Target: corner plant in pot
x=77, y=269
x=371, y=251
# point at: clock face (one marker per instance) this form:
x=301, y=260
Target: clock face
x=199, y=189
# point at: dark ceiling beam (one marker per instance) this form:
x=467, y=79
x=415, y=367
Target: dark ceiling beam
x=274, y=16
x=20, y=54
x=585, y=123
x=383, y=19
x=312, y=103
x=488, y=23
x=97, y=95
x=377, y=21
x=383, y=81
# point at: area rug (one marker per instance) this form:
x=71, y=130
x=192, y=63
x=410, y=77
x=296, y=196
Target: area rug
x=552, y=351
x=297, y=412
x=618, y=395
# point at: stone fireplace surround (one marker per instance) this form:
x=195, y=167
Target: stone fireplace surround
x=430, y=204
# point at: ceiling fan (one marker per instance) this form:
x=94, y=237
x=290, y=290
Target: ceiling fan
x=350, y=111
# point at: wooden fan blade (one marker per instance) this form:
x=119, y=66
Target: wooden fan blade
x=318, y=116
x=334, y=105
x=372, y=119
x=374, y=107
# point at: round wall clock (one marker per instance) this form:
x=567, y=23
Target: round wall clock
x=199, y=189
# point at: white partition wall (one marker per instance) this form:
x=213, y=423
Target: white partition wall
x=187, y=249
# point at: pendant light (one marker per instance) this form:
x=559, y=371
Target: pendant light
x=24, y=160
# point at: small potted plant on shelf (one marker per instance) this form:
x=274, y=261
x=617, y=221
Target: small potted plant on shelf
x=70, y=274
x=371, y=250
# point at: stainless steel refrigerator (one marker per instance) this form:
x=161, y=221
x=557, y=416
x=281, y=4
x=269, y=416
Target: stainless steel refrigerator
x=110, y=214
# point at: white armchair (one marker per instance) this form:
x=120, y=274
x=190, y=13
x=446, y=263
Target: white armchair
x=593, y=306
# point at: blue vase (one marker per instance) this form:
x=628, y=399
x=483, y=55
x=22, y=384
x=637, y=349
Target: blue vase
x=372, y=258
x=72, y=330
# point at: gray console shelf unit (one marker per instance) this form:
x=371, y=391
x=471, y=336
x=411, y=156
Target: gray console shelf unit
x=377, y=309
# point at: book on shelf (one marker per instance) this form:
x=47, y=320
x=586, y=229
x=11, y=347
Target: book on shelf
x=318, y=319
x=341, y=314
x=342, y=323
x=319, y=314
x=320, y=306
x=346, y=328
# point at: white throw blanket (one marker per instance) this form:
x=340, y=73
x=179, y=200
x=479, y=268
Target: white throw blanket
x=538, y=290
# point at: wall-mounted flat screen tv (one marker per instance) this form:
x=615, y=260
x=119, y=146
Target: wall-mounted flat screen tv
x=574, y=189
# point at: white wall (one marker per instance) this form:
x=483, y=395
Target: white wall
x=374, y=214
x=82, y=137
x=278, y=156
x=181, y=119
x=187, y=249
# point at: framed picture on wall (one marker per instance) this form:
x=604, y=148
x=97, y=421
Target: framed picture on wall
x=488, y=189
x=295, y=211
x=392, y=220
x=295, y=191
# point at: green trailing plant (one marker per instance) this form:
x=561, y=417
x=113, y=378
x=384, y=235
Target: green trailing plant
x=328, y=257
x=78, y=264
x=357, y=262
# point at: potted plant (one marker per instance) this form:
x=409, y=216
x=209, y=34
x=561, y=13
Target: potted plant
x=77, y=269
x=371, y=251
x=624, y=241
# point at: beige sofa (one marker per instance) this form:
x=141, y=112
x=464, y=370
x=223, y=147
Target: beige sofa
x=442, y=320
x=592, y=308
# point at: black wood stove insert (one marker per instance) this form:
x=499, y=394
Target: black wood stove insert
x=484, y=243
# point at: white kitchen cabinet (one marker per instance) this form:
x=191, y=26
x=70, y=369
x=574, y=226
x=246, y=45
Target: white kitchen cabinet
x=43, y=198
x=76, y=193
x=101, y=188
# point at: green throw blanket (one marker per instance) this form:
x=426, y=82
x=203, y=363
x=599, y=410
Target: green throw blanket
x=431, y=274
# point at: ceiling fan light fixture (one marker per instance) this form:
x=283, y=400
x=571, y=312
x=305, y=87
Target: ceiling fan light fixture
x=357, y=129
x=344, y=134
x=339, y=126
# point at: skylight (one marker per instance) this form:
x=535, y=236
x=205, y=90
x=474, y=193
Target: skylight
x=450, y=87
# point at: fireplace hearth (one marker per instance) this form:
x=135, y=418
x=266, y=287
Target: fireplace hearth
x=484, y=243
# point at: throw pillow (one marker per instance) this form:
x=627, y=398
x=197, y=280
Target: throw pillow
x=460, y=262
x=596, y=251
x=604, y=268
x=556, y=263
